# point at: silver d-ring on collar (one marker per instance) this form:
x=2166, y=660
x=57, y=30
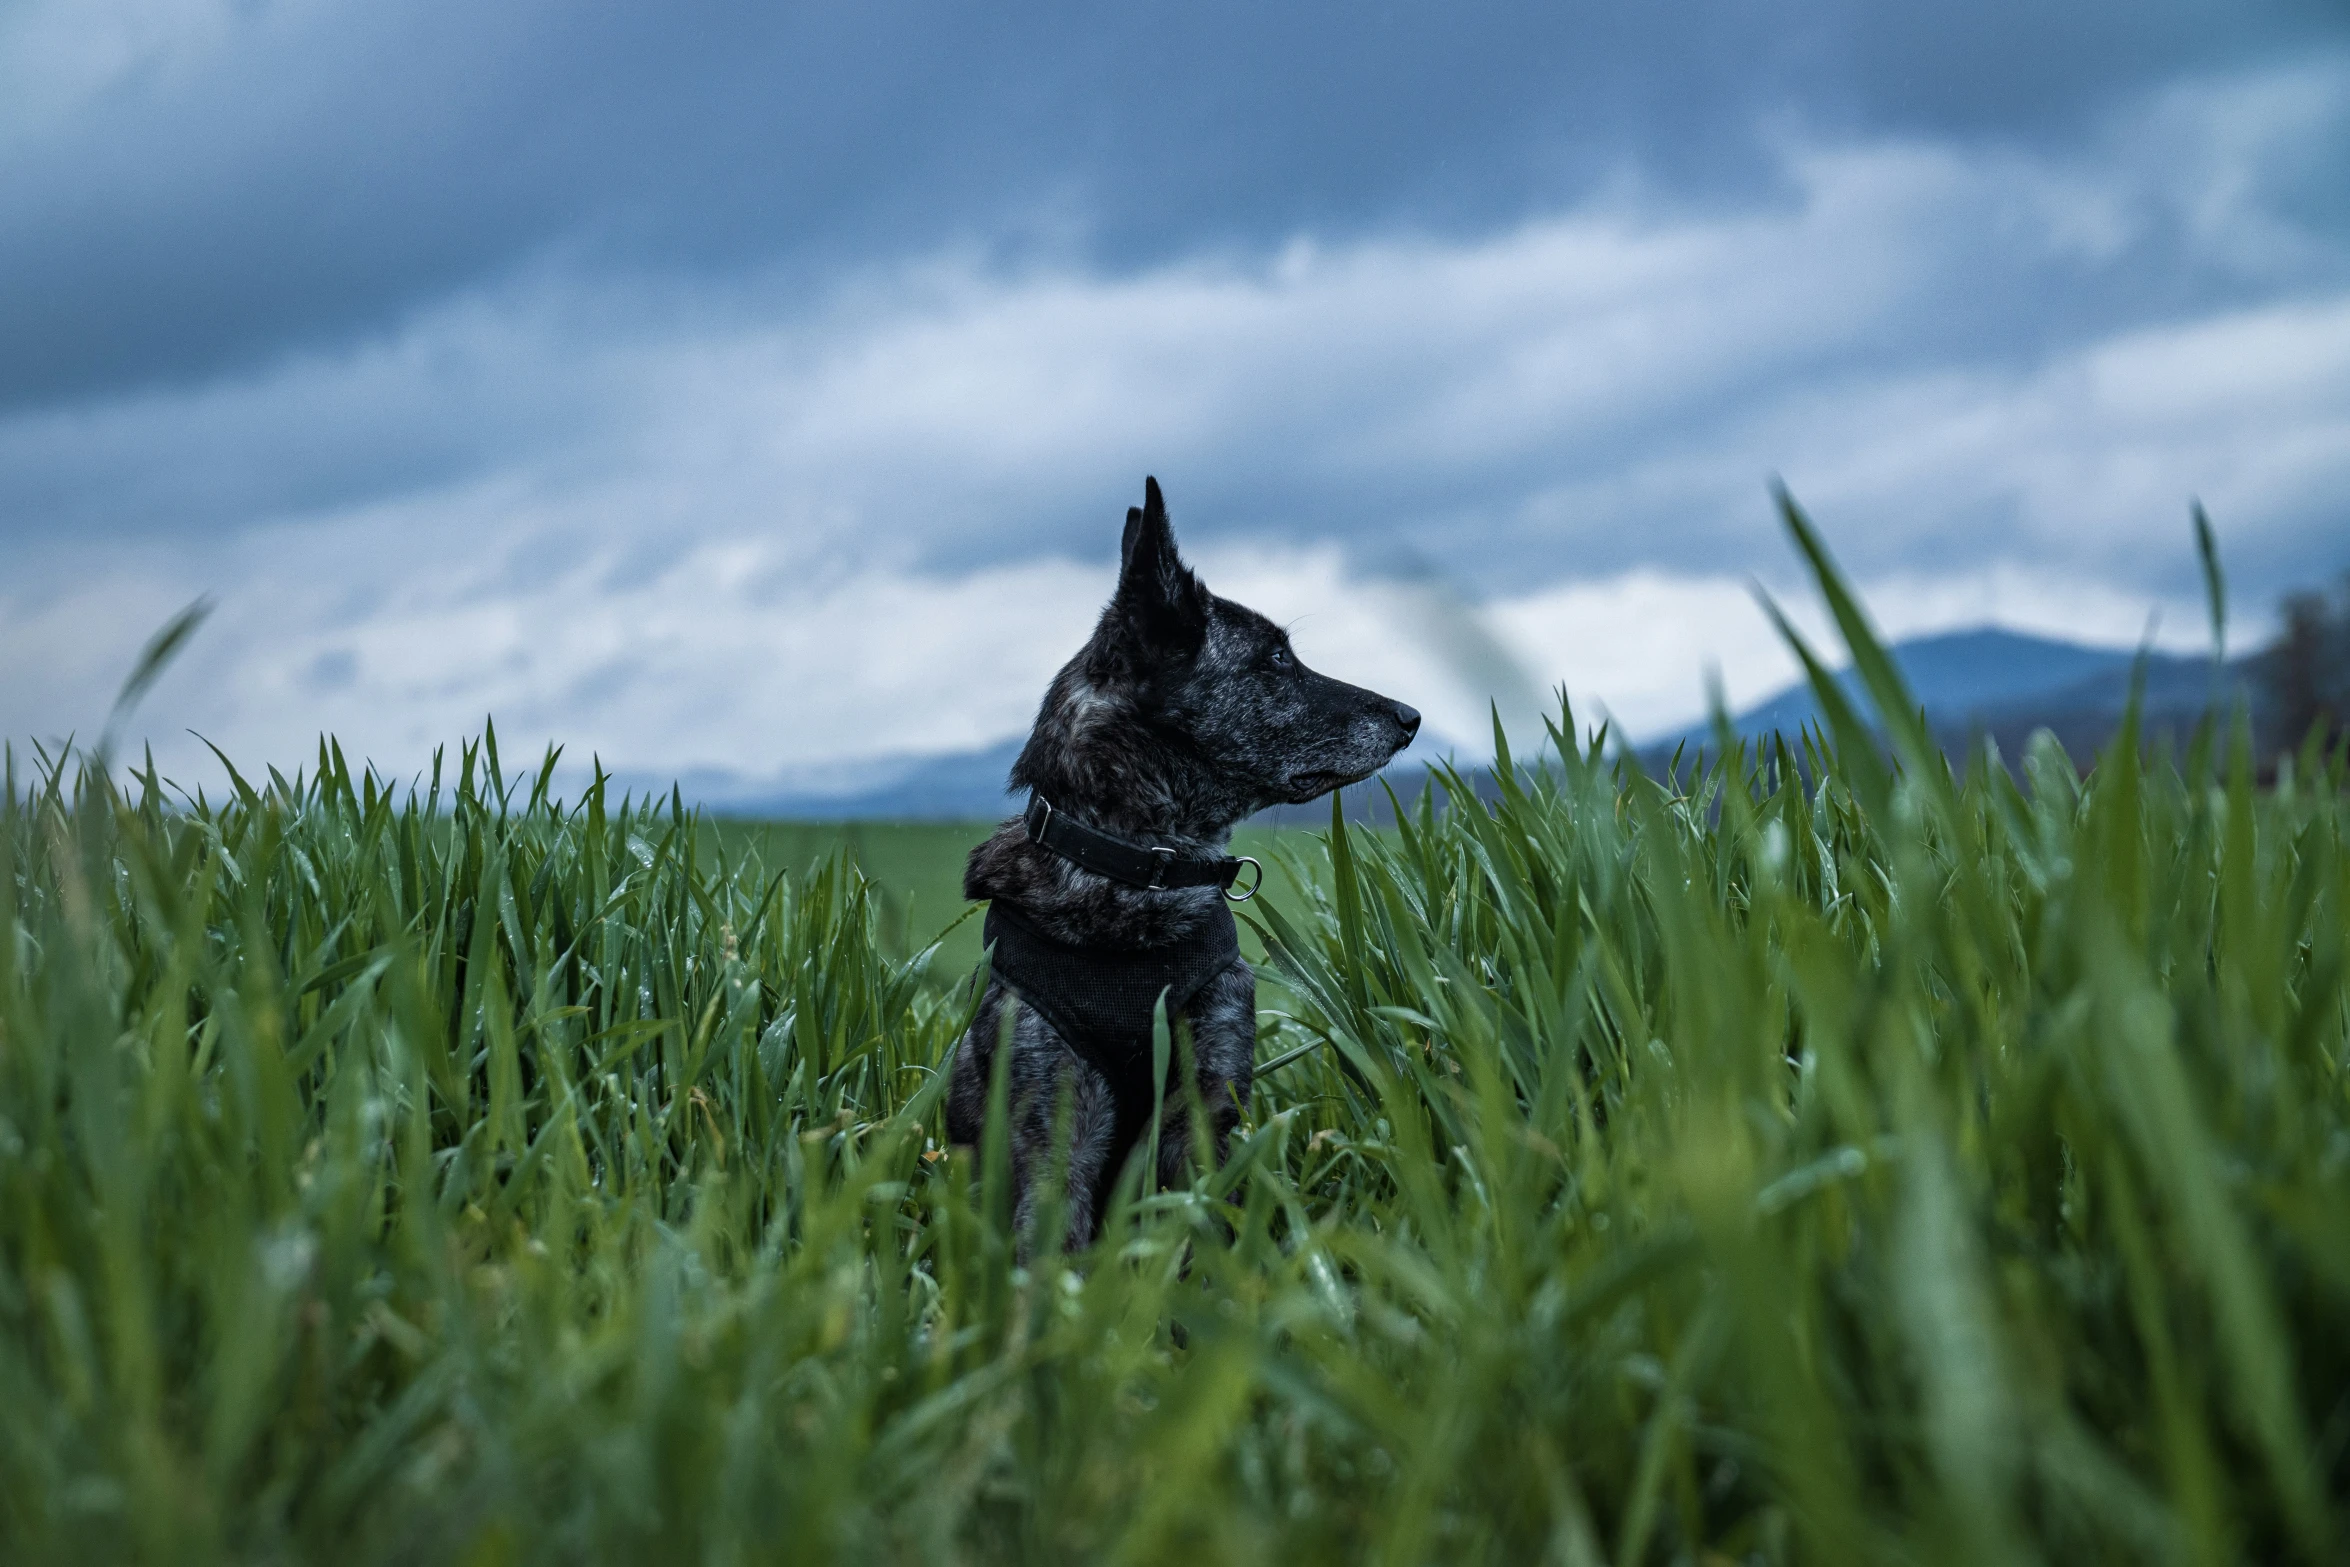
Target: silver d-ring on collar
x=1252, y=886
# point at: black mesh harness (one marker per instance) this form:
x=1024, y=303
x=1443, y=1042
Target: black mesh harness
x=1101, y=999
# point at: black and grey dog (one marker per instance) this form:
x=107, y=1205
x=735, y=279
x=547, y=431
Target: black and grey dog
x=1183, y=714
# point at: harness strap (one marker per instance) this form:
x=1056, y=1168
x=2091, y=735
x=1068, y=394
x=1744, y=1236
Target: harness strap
x=1101, y=1000
x=1152, y=867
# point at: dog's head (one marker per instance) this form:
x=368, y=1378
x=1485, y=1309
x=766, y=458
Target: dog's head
x=1199, y=701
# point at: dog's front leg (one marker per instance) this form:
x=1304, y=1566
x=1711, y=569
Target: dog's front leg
x=1046, y=1075
x=1038, y=1068
x=1224, y=1050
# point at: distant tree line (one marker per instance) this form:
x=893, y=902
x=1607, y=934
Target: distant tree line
x=2304, y=675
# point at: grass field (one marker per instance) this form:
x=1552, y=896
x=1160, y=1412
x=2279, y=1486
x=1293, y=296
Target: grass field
x=1906, y=1166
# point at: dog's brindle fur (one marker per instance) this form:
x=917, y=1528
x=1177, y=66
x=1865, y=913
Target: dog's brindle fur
x=1182, y=715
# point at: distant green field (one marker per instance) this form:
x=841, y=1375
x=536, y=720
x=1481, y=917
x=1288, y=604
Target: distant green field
x=917, y=870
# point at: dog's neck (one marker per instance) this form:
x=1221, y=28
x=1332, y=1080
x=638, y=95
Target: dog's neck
x=1096, y=764
x=1132, y=803
x=1097, y=760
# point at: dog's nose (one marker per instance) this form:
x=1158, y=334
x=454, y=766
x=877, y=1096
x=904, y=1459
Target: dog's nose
x=1409, y=717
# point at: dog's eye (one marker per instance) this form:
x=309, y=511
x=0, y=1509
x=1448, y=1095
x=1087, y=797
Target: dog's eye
x=1279, y=658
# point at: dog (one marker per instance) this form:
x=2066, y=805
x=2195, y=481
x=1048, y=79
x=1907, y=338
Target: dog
x=1183, y=714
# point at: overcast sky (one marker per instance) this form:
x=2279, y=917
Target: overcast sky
x=759, y=389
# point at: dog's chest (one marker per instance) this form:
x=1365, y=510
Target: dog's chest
x=1103, y=1000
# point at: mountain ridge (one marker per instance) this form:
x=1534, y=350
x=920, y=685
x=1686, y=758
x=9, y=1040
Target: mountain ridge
x=1982, y=680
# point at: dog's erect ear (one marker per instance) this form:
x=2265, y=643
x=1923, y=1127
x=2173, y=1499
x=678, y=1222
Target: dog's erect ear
x=1158, y=597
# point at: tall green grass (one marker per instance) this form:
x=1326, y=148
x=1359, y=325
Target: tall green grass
x=1832, y=1157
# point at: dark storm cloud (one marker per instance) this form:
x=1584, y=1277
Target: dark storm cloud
x=320, y=173
x=1598, y=389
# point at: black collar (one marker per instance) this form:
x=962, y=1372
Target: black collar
x=1152, y=867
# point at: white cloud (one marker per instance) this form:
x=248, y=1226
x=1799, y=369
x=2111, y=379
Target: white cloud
x=713, y=657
